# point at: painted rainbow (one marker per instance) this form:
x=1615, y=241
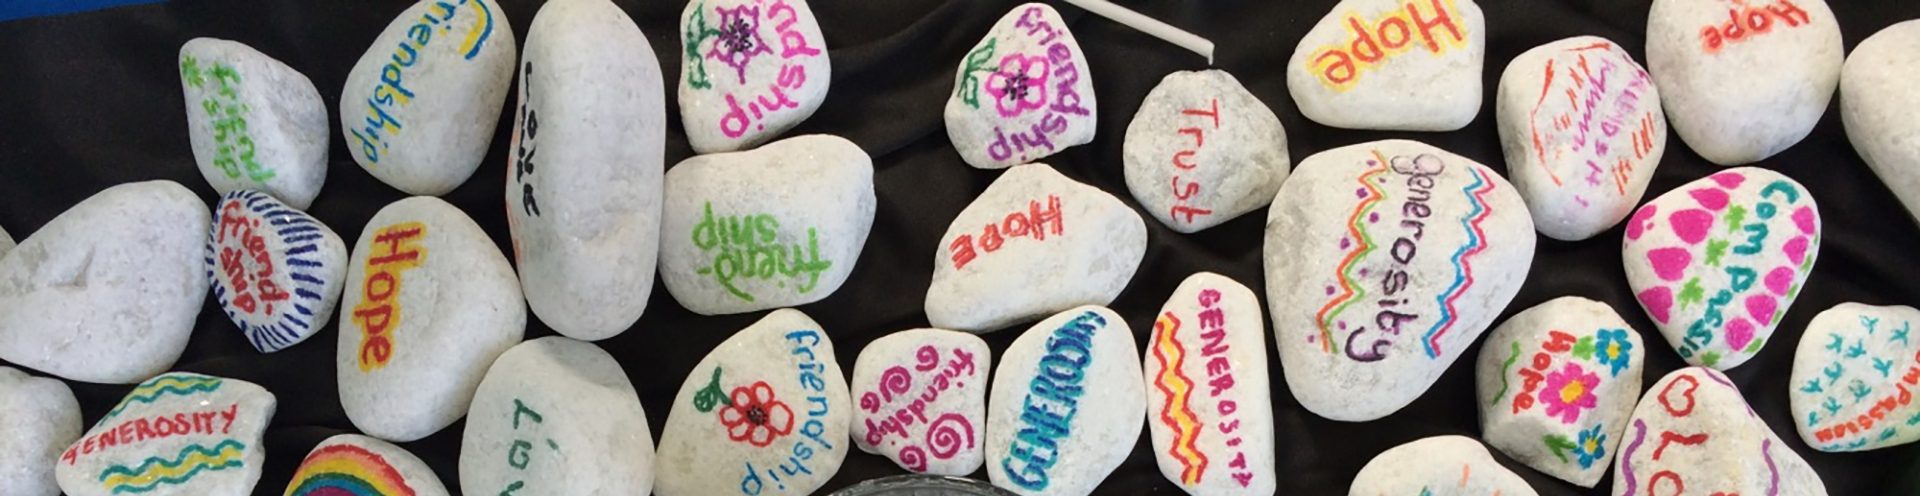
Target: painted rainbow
x=347, y=470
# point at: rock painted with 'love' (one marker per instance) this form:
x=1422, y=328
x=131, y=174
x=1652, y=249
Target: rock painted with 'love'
x=178, y=434
x=749, y=70
x=276, y=271
x=923, y=400
x=1694, y=434
x=1209, y=402
x=1854, y=377
x=1023, y=93
x=1556, y=384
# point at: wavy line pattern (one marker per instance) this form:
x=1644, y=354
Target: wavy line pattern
x=1512, y=357
x=1350, y=292
x=169, y=384
x=1462, y=264
x=156, y=471
x=1177, y=412
x=1773, y=472
x=1626, y=457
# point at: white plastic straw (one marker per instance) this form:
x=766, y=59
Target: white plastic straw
x=1149, y=25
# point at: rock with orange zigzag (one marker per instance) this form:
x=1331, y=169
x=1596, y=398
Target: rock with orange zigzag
x=1209, y=406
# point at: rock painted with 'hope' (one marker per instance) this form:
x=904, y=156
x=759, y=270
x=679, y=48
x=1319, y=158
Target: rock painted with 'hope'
x=1438, y=466
x=107, y=291
x=356, y=465
x=1209, y=405
x=1023, y=93
x=430, y=303
x=1384, y=261
x=1743, y=80
x=1065, y=407
x=765, y=413
x=773, y=227
x=923, y=400
x=42, y=419
x=178, y=434
x=254, y=123
x=585, y=166
x=1556, y=384
x=419, y=108
x=1854, y=377
x=749, y=70
x=1582, y=129
x=1034, y=243
x=1202, y=151
x=1716, y=262
x=556, y=416
x=1694, y=433
x=1877, y=102
x=1408, y=65
x=276, y=271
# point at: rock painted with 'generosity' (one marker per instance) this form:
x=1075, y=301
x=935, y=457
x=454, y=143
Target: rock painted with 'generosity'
x=556, y=416
x=1384, y=261
x=1743, y=80
x=1438, y=466
x=1717, y=262
x=1065, y=406
x=1203, y=150
x=275, y=271
x=1023, y=93
x=1877, y=101
x=1209, y=404
x=107, y=291
x=749, y=70
x=356, y=465
x=1854, y=378
x=585, y=165
x=178, y=434
x=43, y=418
x=1408, y=65
x=419, y=108
x=1693, y=432
x=1556, y=384
x=923, y=400
x=254, y=123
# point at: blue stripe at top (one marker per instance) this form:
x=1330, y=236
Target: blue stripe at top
x=22, y=9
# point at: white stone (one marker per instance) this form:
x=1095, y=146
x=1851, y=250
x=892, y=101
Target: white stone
x=430, y=303
x=778, y=226
x=1743, y=81
x=275, y=271
x=107, y=291
x=585, y=165
x=254, y=122
x=177, y=434
x=750, y=70
x=923, y=400
x=1384, y=261
x=1209, y=402
x=1065, y=407
x=1854, y=377
x=1581, y=125
x=1556, y=384
x=6, y=242
x=1023, y=93
x=1877, y=102
x=1034, y=243
x=556, y=416
x=1717, y=262
x=1202, y=151
x=1438, y=466
x=765, y=413
x=43, y=418
x=351, y=463
x=1693, y=430
x=1406, y=65
x=419, y=108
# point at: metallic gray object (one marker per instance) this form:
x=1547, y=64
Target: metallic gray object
x=922, y=485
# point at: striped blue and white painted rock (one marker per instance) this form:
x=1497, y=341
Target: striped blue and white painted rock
x=276, y=271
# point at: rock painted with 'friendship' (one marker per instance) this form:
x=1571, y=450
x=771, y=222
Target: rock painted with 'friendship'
x=1556, y=384
x=178, y=434
x=356, y=465
x=1209, y=402
x=749, y=70
x=1065, y=406
x=1023, y=93
x=556, y=416
x=1744, y=80
x=1854, y=378
x=276, y=271
x=254, y=123
x=923, y=400
x=1202, y=151
x=1408, y=65
x=1694, y=433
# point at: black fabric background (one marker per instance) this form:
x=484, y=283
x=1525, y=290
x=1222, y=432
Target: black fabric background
x=91, y=100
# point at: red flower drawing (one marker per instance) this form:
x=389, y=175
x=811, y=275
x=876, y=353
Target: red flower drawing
x=755, y=416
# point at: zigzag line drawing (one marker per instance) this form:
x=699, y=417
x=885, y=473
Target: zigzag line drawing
x=1462, y=262
x=1350, y=292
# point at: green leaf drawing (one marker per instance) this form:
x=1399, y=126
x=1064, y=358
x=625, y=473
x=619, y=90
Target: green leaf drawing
x=1715, y=249
x=1583, y=349
x=1692, y=293
x=696, y=34
x=980, y=59
x=1735, y=216
x=1559, y=445
x=1710, y=358
x=1754, y=347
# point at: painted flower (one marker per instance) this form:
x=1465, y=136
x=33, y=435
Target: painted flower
x=1613, y=350
x=1019, y=85
x=1569, y=392
x=1592, y=447
x=739, y=39
x=755, y=416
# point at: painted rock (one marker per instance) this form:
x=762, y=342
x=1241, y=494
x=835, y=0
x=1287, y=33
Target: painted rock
x=430, y=303
x=1877, y=101
x=1023, y=93
x=1854, y=376
x=1209, y=405
x=1582, y=129
x=107, y=291
x=43, y=419
x=556, y=416
x=751, y=70
x=1743, y=81
x=351, y=464
x=254, y=122
x=1065, y=407
x=1384, y=261
x=923, y=400
x=1556, y=385
x=419, y=108
x=275, y=271
x=773, y=227
x=1693, y=432
x=1438, y=466
x=588, y=151
x=1010, y=257
x=765, y=413
x=1202, y=151
x=6, y=242
x=1717, y=261
x=1408, y=65
x=177, y=434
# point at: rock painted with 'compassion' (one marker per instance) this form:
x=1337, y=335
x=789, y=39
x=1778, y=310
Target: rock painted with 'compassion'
x=1209, y=404
x=923, y=400
x=43, y=419
x=356, y=465
x=254, y=122
x=1438, y=466
x=1854, y=377
x=556, y=416
x=1384, y=261
x=1694, y=432
x=1556, y=384
x=1878, y=99
x=276, y=271
x=1409, y=65
x=1202, y=150
x=1065, y=407
x=749, y=70
x=1743, y=80
x=1023, y=93
x=178, y=434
